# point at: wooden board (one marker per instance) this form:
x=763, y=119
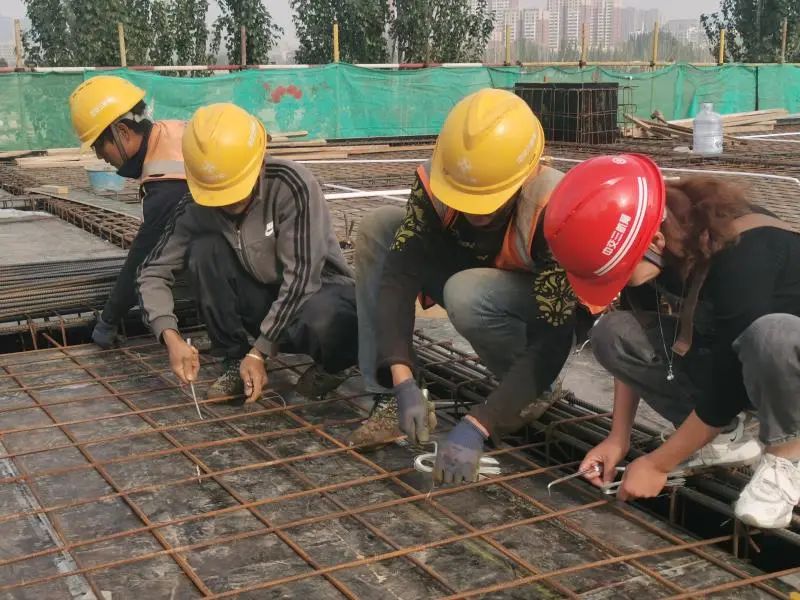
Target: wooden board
x=66, y=151
x=755, y=116
x=15, y=154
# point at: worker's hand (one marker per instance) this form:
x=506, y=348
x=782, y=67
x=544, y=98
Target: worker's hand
x=183, y=358
x=458, y=458
x=412, y=411
x=104, y=334
x=254, y=375
x=607, y=454
x=642, y=479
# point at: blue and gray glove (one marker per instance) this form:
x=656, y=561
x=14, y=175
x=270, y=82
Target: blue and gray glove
x=104, y=334
x=412, y=411
x=458, y=458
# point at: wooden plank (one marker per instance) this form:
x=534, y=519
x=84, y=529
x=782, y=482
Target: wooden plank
x=289, y=134
x=53, y=164
x=302, y=144
x=16, y=154
x=284, y=151
x=65, y=151
x=390, y=150
x=744, y=117
x=317, y=156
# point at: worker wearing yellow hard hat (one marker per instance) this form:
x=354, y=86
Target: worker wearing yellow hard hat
x=470, y=241
x=263, y=259
x=110, y=116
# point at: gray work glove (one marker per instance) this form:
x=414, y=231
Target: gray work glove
x=104, y=334
x=412, y=411
x=458, y=458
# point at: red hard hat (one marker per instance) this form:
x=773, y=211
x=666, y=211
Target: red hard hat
x=600, y=220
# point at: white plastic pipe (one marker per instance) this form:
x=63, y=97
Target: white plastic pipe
x=370, y=194
x=708, y=171
x=350, y=189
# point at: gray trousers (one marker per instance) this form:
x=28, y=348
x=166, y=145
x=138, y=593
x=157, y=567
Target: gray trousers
x=489, y=307
x=633, y=350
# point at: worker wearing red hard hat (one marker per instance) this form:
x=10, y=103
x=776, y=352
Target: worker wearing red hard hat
x=732, y=271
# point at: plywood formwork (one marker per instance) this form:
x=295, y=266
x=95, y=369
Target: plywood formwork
x=112, y=483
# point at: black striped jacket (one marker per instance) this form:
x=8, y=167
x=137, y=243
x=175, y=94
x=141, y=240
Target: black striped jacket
x=285, y=238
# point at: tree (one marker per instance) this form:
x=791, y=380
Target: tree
x=262, y=32
x=441, y=30
x=84, y=32
x=188, y=22
x=47, y=42
x=362, y=30
x=753, y=30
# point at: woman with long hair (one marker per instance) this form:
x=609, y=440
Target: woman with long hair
x=709, y=326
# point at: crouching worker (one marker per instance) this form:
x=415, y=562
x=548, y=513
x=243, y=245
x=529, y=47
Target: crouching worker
x=109, y=115
x=734, y=271
x=471, y=240
x=263, y=260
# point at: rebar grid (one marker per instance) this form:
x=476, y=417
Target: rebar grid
x=526, y=573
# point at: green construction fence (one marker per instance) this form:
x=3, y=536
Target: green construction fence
x=343, y=101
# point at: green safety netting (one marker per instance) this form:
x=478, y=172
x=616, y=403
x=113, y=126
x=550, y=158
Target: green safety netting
x=340, y=101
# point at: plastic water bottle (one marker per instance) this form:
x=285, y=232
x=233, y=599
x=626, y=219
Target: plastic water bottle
x=707, y=131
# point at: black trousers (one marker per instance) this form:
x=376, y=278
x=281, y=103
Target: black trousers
x=159, y=199
x=233, y=304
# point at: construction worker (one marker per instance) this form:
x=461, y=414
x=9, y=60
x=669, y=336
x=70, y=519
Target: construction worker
x=263, y=259
x=470, y=240
x=734, y=270
x=110, y=116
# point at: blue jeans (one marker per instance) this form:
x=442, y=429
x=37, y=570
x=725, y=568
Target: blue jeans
x=489, y=307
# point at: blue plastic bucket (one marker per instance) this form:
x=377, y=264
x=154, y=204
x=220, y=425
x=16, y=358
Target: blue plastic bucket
x=105, y=180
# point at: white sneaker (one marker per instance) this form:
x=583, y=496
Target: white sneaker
x=731, y=449
x=768, y=500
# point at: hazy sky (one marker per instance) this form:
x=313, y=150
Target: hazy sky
x=675, y=9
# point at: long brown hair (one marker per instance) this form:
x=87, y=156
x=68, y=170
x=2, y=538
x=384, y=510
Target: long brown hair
x=699, y=222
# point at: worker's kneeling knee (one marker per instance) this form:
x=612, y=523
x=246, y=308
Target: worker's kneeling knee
x=463, y=303
x=769, y=339
x=608, y=337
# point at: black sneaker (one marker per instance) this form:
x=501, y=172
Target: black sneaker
x=316, y=382
x=230, y=383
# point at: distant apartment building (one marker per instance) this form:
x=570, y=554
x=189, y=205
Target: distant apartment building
x=568, y=18
x=688, y=31
x=506, y=14
x=8, y=53
x=633, y=21
x=534, y=25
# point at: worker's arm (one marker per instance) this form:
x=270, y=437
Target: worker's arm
x=157, y=272
x=159, y=199
x=406, y=267
x=610, y=452
x=302, y=226
x=549, y=338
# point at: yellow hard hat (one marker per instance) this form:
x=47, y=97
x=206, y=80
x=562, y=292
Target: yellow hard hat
x=98, y=102
x=223, y=148
x=489, y=145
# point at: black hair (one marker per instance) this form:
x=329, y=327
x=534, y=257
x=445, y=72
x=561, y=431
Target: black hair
x=139, y=127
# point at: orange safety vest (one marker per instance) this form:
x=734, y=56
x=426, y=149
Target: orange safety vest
x=515, y=254
x=164, y=158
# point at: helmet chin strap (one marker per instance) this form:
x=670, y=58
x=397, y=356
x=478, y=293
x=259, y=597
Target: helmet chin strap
x=118, y=143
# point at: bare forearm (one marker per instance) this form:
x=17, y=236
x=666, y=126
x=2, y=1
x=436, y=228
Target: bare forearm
x=626, y=403
x=692, y=435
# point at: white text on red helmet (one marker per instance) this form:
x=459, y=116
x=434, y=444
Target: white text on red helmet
x=617, y=235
